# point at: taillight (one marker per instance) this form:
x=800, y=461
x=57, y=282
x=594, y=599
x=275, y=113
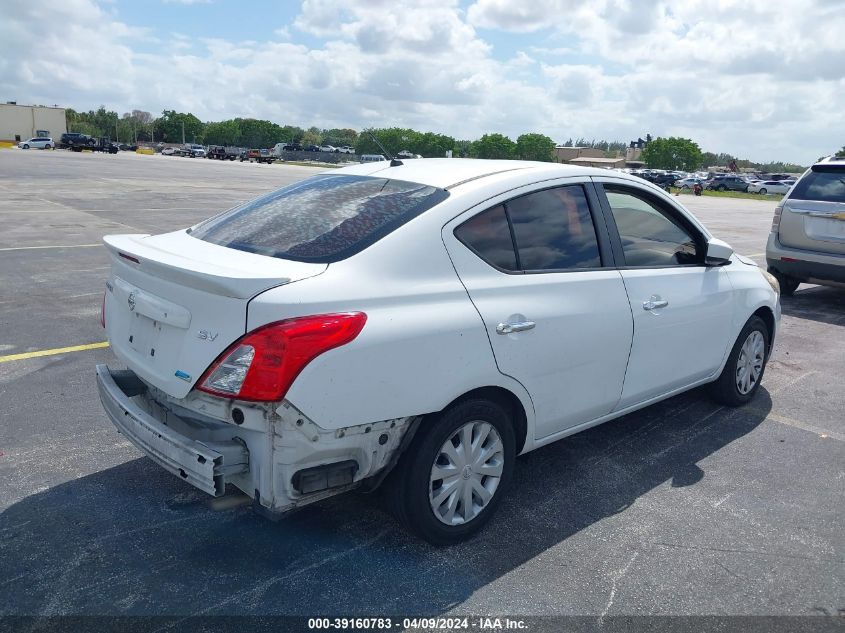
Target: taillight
x=776, y=219
x=103, y=311
x=262, y=365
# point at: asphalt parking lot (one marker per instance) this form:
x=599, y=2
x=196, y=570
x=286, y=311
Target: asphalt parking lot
x=684, y=508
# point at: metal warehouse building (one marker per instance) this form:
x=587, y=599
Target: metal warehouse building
x=22, y=122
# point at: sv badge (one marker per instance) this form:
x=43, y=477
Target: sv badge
x=205, y=335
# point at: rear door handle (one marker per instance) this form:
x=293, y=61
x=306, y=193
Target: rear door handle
x=655, y=303
x=509, y=328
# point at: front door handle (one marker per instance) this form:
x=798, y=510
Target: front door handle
x=655, y=303
x=509, y=328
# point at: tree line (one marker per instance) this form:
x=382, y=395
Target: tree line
x=176, y=127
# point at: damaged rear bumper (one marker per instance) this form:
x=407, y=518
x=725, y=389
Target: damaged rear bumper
x=206, y=465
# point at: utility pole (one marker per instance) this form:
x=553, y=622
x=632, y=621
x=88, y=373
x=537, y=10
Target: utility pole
x=183, y=132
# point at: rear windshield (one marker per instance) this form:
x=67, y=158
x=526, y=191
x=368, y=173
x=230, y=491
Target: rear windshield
x=825, y=184
x=323, y=219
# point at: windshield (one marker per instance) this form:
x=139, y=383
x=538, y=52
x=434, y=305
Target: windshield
x=323, y=219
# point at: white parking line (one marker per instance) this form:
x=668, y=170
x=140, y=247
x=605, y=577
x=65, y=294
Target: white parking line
x=32, y=248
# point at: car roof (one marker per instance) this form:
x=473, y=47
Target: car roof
x=447, y=173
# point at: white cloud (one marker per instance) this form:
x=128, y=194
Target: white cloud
x=740, y=77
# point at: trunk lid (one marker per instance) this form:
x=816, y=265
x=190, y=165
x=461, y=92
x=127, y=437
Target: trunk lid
x=174, y=303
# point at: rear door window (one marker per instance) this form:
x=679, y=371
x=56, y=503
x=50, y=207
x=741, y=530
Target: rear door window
x=488, y=236
x=323, y=219
x=554, y=230
x=821, y=184
x=548, y=230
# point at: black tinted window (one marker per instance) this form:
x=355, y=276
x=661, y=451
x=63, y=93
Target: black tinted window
x=650, y=237
x=489, y=236
x=554, y=230
x=322, y=219
x=824, y=185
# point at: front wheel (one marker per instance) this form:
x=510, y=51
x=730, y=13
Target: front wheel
x=721, y=188
x=763, y=191
x=451, y=478
x=24, y=146
x=740, y=379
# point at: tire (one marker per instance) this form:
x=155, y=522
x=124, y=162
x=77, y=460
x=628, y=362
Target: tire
x=740, y=379
x=788, y=285
x=763, y=191
x=48, y=146
x=721, y=188
x=412, y=493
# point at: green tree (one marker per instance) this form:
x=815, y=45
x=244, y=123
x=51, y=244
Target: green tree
x=431, y=145
x=841, y=152
x=672, y=153
x=169, y=127
x=493, y=146
x=393, y=139
x=535, y=147
x=222, y=133
x=340, y=137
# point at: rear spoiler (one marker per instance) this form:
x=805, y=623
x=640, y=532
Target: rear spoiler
x=205, y=266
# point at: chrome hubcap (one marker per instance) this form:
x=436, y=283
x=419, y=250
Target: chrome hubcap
x=749, y=365
x=466, y=473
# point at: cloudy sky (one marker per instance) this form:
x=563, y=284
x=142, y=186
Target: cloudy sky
x=758, y=79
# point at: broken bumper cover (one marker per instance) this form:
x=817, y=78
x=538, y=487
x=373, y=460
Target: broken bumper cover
x=202, y=464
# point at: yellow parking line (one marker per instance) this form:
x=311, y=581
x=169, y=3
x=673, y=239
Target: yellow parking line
x=32, y=248
x=53, y=352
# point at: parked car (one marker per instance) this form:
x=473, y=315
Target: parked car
x=192, y=150
x=769, y=186
x=727, y=183
x=312, y=148
x=38, y=142
x=398, y=325
x=687, y=183
x=220, y=152
x=169, y=151
x=372, y=158
x=258, y=156
x=75, y=141
x=405, y=154
x=328, y=148
x=807, y=241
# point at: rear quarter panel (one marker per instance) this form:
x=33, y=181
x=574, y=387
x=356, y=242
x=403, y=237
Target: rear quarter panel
x=423, y=345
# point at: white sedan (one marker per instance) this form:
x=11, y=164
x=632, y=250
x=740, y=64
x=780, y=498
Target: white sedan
x=770, y=186
x=39, y=142
x=417, y=326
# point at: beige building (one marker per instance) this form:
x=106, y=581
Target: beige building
x=595, y=161
x=22, y=122
x=564, y=154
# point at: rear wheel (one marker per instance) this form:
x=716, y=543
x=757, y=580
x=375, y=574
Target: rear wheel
x=48, y=146
x=740, y=379
x=451, y=478
x=788, y=285
x=763, y=191
x=721, y=188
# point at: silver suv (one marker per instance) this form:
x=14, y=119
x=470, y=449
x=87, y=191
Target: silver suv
x=807, y=242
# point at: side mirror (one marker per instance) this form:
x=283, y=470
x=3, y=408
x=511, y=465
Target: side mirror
x=718, y=253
